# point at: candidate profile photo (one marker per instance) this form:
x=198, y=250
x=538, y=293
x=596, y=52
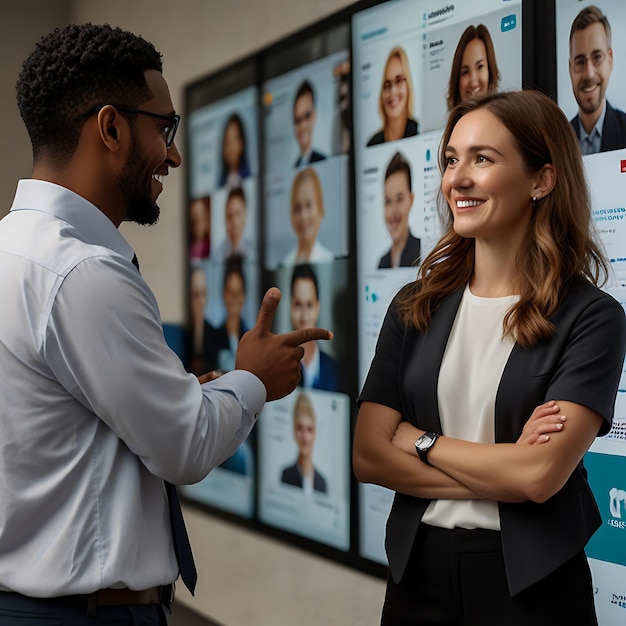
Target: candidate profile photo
x=199, y=228
x=306, y=215
x=319, y=369
x=302, y=473
x=235, y=166
x=405, y=248
x=199, y=332
x=304, y=118
x=224, y=340
x=474, y=67
x=236, y=242
x=396, y=100
x=598, y=125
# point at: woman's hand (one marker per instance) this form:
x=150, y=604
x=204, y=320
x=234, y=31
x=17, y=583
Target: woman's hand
x=545, y=419
x=405, y=437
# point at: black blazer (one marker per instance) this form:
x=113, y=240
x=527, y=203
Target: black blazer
x=613, y=129
x=291, y=476
x=410, y=255
x=315, y=157
x=411, y=129
x=581, y=363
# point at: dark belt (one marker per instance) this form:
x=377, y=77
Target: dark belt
x=118, y=597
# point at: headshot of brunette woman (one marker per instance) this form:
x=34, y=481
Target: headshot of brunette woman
x=474, y=67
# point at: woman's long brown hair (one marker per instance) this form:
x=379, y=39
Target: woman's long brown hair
x=559, y=245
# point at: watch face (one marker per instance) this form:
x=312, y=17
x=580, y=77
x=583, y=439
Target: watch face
x=424, y=441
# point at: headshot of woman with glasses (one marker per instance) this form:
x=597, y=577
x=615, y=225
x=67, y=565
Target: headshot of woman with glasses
x=395, y=104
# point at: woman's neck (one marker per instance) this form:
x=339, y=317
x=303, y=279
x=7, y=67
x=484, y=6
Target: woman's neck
x=305, y=249
x=397, y=248
x=305, y=465
x=395, y=128
x=496, y=272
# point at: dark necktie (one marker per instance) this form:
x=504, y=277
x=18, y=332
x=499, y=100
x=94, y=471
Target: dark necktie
x=182, y=547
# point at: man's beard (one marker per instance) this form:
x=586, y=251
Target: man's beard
x=141, y=208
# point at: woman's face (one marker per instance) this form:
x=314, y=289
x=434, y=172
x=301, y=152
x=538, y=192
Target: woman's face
x=198, y=295
x=398, y=202
x=234, y=295
x=232, y=148
x=485, y=182
x=305, y=213
x=304, y=428
x=199, y=220
x=474, y=77
x=395, y=90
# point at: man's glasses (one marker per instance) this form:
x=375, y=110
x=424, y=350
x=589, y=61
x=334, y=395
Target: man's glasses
x=169, y=132
x=580, y=62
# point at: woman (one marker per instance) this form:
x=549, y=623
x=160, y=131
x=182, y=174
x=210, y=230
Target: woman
x=234, y=159
x=405, y=248
x=302, y=473
x=200, y=228
x=307, y=211
x=505, y=316
x=474, y=67
x=395, y=104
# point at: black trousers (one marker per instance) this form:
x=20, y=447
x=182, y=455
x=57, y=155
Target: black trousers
x=18, y=610
x=457, y=578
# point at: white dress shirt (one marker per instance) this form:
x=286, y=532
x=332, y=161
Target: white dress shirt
x=95, y=409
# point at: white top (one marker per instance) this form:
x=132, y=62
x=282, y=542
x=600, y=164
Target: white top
x=95, y=409
x=319, y=254
x=470, y=373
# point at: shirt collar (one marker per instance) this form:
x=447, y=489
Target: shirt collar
x=596, y=130
x=93, y=224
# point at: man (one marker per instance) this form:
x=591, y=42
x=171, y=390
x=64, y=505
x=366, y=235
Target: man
x=304, y=117
x=598, y=125
x=319, y=370
x=235, y=216
x=98, y=416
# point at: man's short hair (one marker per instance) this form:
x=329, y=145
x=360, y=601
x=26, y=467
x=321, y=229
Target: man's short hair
x=71, y=72
x=399, y=164
x=305, y=89
x=304, y=271
x=588, y=16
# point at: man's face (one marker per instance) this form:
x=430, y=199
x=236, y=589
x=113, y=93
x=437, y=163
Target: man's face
x=305, y=306
x=148, y=159
x=590, y=65
x=304, y=121
x=235, y=219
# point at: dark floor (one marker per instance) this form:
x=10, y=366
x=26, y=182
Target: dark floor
x=182, y=616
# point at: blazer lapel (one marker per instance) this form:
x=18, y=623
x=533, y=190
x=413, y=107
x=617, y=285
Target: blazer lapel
x=421, y=362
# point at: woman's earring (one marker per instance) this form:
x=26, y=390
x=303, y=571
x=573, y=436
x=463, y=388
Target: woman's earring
x=534, y=202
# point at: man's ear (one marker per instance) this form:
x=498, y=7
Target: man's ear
x=111, y=127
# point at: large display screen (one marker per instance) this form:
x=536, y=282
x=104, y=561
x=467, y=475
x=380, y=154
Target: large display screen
x=590, y=91
x=590, y=59
x=407, y=74
x=224, y=272
x=304, y=439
